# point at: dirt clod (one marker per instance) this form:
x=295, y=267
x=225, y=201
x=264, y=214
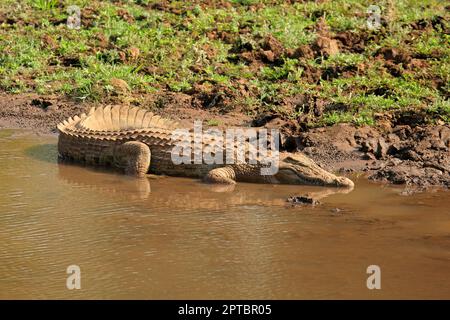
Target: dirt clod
x=119, y=85
x=325, y=46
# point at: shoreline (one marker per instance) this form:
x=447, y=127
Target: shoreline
x=415, y=156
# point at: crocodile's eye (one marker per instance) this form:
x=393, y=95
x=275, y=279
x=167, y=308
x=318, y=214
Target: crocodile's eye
x=290, y=159
x=287, y=174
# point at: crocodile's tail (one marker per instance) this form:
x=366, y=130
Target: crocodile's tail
x=114, y=119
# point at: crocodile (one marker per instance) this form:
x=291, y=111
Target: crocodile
x=139, y=142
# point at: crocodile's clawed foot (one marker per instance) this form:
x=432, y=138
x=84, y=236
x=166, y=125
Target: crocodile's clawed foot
x=225, y=175
x=133, y=157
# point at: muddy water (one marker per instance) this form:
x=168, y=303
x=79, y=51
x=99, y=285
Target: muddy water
x=177, y=238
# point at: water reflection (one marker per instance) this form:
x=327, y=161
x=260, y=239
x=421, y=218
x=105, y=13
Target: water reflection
x=43, y=152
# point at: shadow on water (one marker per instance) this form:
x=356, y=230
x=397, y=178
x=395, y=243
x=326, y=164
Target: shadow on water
x=5, y=133
x=110, y=181
x=184, y=191
x=43, y=152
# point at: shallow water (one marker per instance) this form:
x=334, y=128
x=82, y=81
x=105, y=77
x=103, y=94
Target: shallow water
x=177, y=238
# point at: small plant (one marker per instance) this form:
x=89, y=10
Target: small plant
x=365, y=117
x=213, y=122
x=45, y=4
x=335, y=117
x=288, y=70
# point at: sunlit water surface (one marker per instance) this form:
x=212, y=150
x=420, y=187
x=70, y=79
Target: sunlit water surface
x=175, y=238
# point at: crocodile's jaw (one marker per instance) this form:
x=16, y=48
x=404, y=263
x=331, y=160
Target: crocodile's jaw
x=299, y=169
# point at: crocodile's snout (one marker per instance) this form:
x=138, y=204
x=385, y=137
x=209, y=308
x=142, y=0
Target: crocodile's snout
x=344, y=182
x=299, y=169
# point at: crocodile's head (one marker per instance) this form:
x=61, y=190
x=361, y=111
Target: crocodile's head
x=299, y=169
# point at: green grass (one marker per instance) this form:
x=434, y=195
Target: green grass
x=192, y=43
x=45, y=4
x=213, y=122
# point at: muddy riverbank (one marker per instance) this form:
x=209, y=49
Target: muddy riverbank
x=401, y=151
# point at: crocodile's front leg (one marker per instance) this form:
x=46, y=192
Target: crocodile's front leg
x=133, y=157
x=224, y=175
